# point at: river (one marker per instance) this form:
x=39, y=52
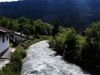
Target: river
x=41, y=60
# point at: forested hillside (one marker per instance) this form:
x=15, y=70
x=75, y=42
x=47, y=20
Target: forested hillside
x=77, y=13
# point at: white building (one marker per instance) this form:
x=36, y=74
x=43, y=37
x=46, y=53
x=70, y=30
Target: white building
x=4, y=40
x=5, y=36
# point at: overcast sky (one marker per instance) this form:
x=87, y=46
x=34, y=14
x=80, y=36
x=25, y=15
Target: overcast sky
x=7, y=0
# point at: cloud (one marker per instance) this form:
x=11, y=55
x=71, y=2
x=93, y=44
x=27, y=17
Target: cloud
x=8, y=0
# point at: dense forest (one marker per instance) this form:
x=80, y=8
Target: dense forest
x=78, y=13
x=82, y=49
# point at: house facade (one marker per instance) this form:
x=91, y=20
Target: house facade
x=4, y=40
x=4, y=43
x=7, y=35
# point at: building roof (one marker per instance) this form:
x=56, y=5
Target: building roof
x=4, y=30
x=18, y=37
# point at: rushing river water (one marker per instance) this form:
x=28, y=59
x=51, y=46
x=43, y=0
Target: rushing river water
x=41, y=60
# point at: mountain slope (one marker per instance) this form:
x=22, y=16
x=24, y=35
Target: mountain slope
x=69, y=12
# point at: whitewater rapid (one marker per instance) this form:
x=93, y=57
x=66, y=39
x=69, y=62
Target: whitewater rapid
x=41, y=60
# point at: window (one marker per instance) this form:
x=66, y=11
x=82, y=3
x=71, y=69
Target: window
x=7, y=38
x=3, y=38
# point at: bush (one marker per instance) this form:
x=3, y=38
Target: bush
x=27, y=26
x=65, y=43
x=16, y=61
x=15, y=65
x=83, y=50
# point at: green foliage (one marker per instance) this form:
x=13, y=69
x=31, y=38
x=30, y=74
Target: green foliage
x=55, y=30
x=83, y=50
x=23, y=21
x=96, y=26
x=15, y=65
x=42, y=28
x=65, y=43
x=8, y=70
x=16, y=60
x=91, y=52
x=80, y=44
x=27, y=26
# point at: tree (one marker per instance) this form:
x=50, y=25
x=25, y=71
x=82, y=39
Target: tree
x=70, y=45
x=91, y=51
x=56, y=24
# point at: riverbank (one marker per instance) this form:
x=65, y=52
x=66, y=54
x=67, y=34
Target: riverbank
x=41, y=60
